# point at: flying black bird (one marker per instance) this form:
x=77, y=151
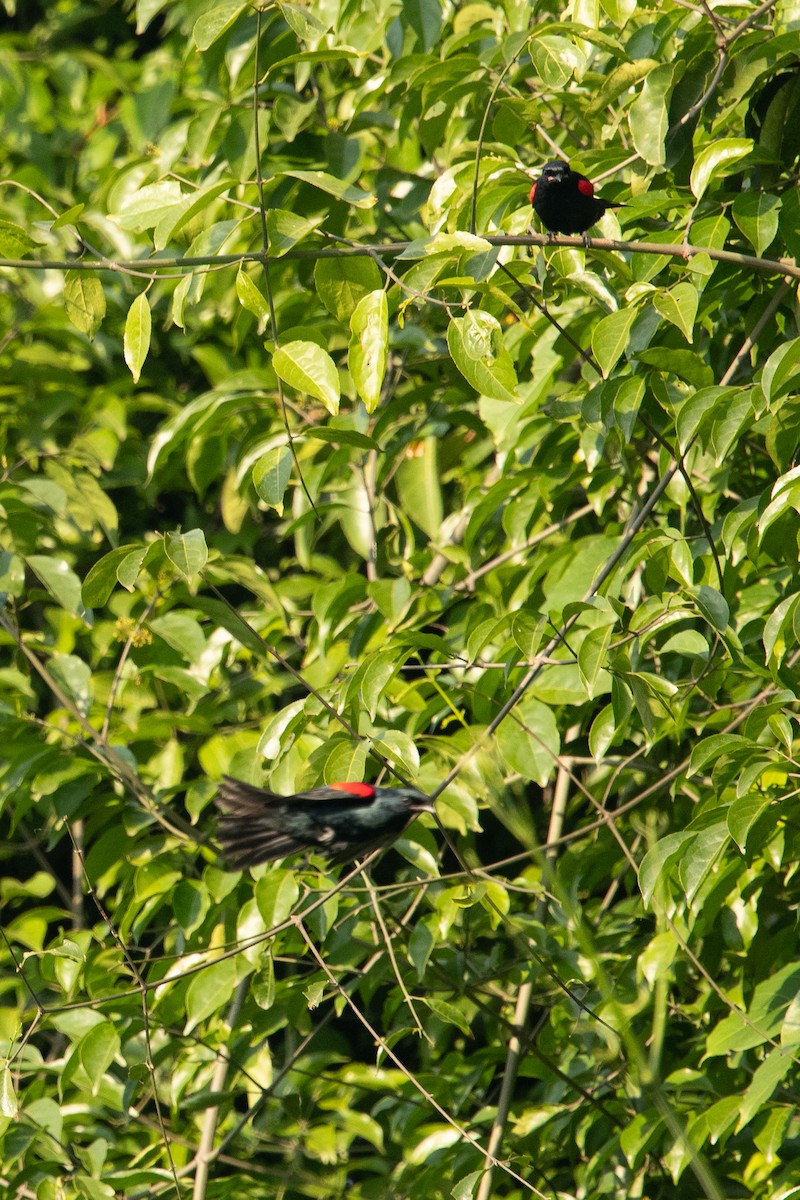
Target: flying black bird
x=342, y=821
x=564, y=200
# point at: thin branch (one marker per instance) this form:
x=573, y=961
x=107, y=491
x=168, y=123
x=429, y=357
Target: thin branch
x=685, y=251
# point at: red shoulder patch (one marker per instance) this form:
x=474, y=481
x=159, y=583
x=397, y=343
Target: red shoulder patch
x=363, y=790
x=533, y=193
x=586, y=187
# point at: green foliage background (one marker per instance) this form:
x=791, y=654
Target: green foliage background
x=317, y=464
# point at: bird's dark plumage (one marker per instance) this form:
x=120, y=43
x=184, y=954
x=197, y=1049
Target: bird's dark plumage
x=564, y=200
x=343, y=821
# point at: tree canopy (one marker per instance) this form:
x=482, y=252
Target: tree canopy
x=321, y=461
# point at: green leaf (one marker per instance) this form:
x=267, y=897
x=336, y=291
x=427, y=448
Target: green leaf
x=610, y=337
x=713, y=606
x=342, y=283
x=101, y=579
x=781, y=371
x=476, y=344
x=187, y=552
x=14, y=241
x=341, y=436
x=592, y=654
x=718, y=158
x=757, y=214
x=210, y=991
x=765, y=1013
x=8, y=1100
x=449, y=1013
x=60, y=580
x=182, y=632
x=97, y=1051
x=84, y=301
x=303, y=21
x=555, y=59
x=369, y=346
x=75, y=679
x=529, y=741
x=352, y=196
x=346, y=762
x=276, y=895
x=307, y=368
x=419, y=485
x=250, y=297
x=658, y=862
x=271, y=474
x=136, y=341
x=649, y=114
x=678, y=305
x=602, y=733
x=285, y=229
x=215, y=22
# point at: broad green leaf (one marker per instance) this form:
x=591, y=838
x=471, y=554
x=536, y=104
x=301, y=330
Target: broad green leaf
x=97, y=1051
x=14, y=241
x=713, y=606
x=75, y=678
x=717, y=158
x=678, y=305
x=342, y=283
x=271, y=474
x=401, y=749
x=476, y=344
x=177, y=216
x=448, y=1012
x=765, y=1013
x=700, y=856
x=250, y=297
x=649, y=114
x=102, y=577
x=84, y=301
x=369, y=324
x=602, y=733
x=60, y=580
x=308, y=368
x=276, y=895
x=782, y=370
x=182, y=632
x=285, y=229
x=346, y=762
x=425, y=18
x=610, y=337
x=8, y=1100
x=743, y=814
x=419, y=484
x=210, y=992
x=658, y=862
x=556, y=59
x=187, y=552
x=212, y=24
x=136, y=341
x=527, y=631
x=757, y=214
x=352, y=196
x=529, y=741
x=592, y=654
x=144, y=208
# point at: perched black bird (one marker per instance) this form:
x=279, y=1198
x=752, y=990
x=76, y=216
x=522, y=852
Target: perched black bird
x=564, y=200
x=343, y=821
